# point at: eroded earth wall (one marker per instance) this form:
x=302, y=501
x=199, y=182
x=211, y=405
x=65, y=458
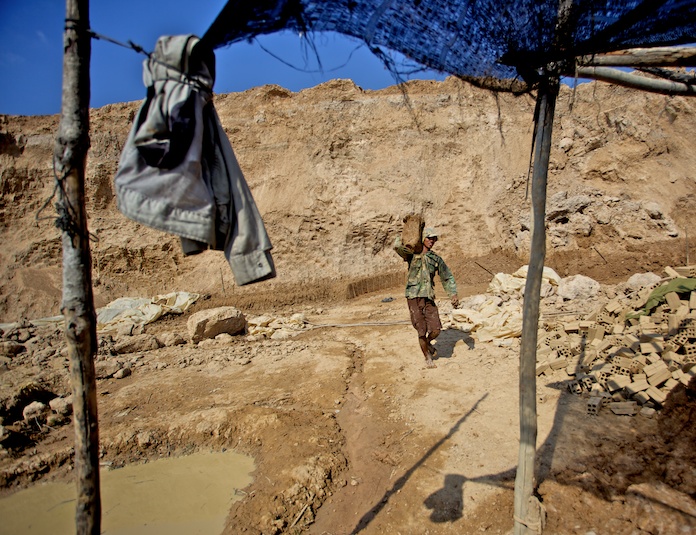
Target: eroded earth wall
x=335, y=168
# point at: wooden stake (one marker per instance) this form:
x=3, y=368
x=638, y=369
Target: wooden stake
x=529, y=517
x=72, y=144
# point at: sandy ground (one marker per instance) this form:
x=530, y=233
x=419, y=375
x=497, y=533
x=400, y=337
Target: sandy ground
x=352, y=434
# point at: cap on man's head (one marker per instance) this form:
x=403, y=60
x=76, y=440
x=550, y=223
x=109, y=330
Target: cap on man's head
x=429, y=232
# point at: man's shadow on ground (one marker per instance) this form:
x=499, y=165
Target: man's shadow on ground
x=447, y=503
x=444, y=344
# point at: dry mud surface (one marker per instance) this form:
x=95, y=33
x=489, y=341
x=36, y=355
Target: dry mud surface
x=349, y=432
x=352, y=434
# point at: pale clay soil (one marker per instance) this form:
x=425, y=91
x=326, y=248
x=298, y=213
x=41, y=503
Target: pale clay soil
x=349, y=432
x=347, y=425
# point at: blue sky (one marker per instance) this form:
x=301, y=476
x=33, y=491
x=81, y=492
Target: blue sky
x=31, y=55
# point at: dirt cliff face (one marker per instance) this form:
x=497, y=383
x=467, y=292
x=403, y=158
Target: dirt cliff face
x=335, y=168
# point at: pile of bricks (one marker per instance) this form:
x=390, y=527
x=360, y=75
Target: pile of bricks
x=629, y=365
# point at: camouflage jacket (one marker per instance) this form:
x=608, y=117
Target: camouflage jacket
x=421, y=273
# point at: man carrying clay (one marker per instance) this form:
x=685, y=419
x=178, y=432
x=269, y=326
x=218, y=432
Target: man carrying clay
x=420, y=289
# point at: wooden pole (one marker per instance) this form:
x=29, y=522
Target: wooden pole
x=643, y=57
x=72, y=144
x=615, y=76
x=529, y=516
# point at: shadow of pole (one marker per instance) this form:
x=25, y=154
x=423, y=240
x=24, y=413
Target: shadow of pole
x=547, y=451
x=398, y=485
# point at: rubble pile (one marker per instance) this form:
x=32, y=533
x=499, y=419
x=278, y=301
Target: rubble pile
x=275, y=328
x=631, y=352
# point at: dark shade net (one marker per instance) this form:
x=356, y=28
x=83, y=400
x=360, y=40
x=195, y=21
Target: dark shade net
x=494, y=39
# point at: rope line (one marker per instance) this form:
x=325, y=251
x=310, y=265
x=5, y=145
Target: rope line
x=320, y=70
x=130, y=44
x=187, y=78
x=367, y=324
x=529, y=524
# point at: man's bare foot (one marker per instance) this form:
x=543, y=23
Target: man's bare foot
x=429, y=363
x=432, y=351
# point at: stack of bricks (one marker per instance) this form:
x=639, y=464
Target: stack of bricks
x=627, y=365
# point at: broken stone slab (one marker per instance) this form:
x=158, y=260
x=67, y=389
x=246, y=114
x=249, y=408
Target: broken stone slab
x=542, y=367
x=636, y=386
x=105, y=369
x=130, y=329
x=671, y=272
x=137, y=343
x=654, y=346
x=626, y=408
x=211, y=322
x=656, y=394
x=659, y=377
x=652, y=369
x=170, y=339
x=123, y=373
x=642, y=397
x=617, y=382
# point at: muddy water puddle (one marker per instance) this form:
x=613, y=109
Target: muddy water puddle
x=178, y=496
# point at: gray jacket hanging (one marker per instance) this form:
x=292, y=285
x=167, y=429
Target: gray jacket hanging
x=178, y=172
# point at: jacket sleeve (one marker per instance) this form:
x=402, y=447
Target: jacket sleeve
x=447, y=279
x=403, y=251
x=247, y=245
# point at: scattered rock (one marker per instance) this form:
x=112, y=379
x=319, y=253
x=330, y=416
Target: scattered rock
x=35, y=410
x=170, y=339
x=122, y=373
x=54, y=420
x=642, y=280
x=653, y=210
x=211, y=322
x=578, y=287
x=561, y=206
x=62, y=406
x=130, y=329
x=10, y=348
x=105, y=369
x=137, y=343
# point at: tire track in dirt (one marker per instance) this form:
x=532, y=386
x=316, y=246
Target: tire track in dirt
x=367, y=437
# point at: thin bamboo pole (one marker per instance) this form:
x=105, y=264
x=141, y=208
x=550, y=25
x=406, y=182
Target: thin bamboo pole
x=643, y=57
x=72, y=144
x=529, y=517
x=615, y=76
